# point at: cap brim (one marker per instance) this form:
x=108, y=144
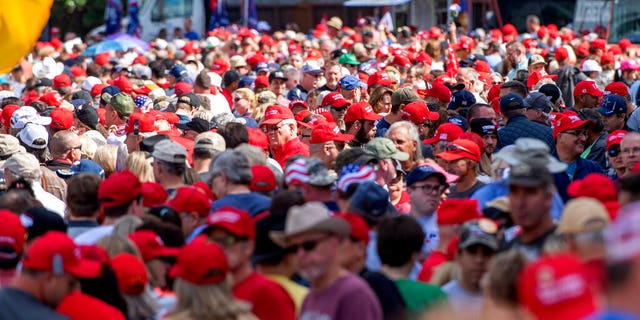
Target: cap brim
x=524, y=182
x=400, y=156
x=84, y=269
x=344, y=137
x=433, y=116
x=430, y=140
x=373, y=117
x=450, y=156
x=333, y=225
x=305, y=124
x=604, y=111
x=270, y=121
x=481, y=240
x=182, y=126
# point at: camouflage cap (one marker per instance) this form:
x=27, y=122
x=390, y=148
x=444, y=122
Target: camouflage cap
x=383, y=148
x=123, y=104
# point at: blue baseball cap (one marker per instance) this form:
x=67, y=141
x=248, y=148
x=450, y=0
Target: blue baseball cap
x=350, y=82
x=459, y=121
x=311, y=67
x=461, y=99
x=511, y=102
x=107, y=93
x=612, y=104
x=246, y=82
x=81, y=166
x=178, y=71
x=371, y=200
x=262, y=67
x=422, y=172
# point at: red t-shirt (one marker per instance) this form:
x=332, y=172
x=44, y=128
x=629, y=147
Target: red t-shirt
x=268, y=299
x=435, y=259
x=227, y=94
x=289, y=149
x=404, y=204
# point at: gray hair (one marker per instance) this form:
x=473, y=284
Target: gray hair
x=235, y=166
x=412, y=130
x=254, y=154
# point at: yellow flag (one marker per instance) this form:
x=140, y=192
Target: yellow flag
x=21, y=22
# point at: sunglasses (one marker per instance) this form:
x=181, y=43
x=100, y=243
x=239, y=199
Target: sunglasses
x=613, y=152
x=340, y=109
x=308, y=245
x=453, y=147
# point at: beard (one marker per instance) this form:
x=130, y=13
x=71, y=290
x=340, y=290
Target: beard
x=363, y=136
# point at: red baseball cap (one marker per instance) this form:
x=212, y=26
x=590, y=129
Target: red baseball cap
x=12, y=234
x=7, y=112
x=236, y=221
x=276, y=113
x=182, y=88
x=77, y=71
x=482, y=66
x=379, y=78
x=262, y=179
x=81, y=306
x=61, y=118
x=298, y=103
x=62, y=81
x=110, y=192
x=261, y=82
x=96, y=90
x=52, y=99
x=615, y=137
x=401, y=61
x=439, y=91
x=599, y=44
x=461, y=149
x=617, y=87
x=190, y=199
x=594, y=185
x=146, y=123
x=191, y=266
x=538, y=75
x=607, y=58
x=151, y=246
x=123, y=83
x=361, y=111
x=458, y=211
x=555, y=287
x=140, y=60
x=445, y=132
x=102, y=59
x=417, y=112
x=153, y=194
x=131, y=273
x=220, y=66
x=464, y=43
x=568, y=122
x=328, y=131
x=55, y=251
x=334, y=99
x=587, y=87
x=307, y=119
x=359, y=227
x=423, y=57
x=561, y=54
x=624, y=43
x=258, y=139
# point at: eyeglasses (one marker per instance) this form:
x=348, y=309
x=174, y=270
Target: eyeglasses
x=578, y=133
x=443, y=144
x=613, y=152
x=428, y=188
x=73, y=148
x=340, y=109
x=308, y=245
x=266, y=129
x=453, y=147
x=305, y=136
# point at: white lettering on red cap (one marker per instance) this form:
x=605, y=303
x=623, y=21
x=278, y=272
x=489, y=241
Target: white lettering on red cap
x=224, y=216
x=368, y=109
x=5, y=239
x=574, y=118
x=272, y=112
x=336, y=130
x=338, y=97
x=551, y=292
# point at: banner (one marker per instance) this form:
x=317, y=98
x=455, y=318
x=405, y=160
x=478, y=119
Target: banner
x=219, y=15
x=112, y=16
x=249, y=13
x=134, y=20
x=452, y=62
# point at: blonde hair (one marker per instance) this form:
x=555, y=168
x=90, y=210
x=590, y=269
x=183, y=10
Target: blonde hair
x=116, y=244
x=106, y=157
x=126, y=225
x=138, y=163
x=141, y=307
x=249, y=95
x=207, y=302
x=89, y=147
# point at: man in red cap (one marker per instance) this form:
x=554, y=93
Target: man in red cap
x=235, y=232
x=615, y=160
x=418, y=114
x=439, y=94
x=444, y=135
x=462, y=158
x=327, y=141
x=570, y=133
x=12, y=238
x=337, y=105
x=115, y=204
x=281, y=128
x=586, y=95
x=360, y=122
x=49, y=272
x=193, y=207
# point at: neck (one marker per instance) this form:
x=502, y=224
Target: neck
x=393, y=117
x=71, y=217
x=407, y=165
x=241, y=273
x=26, y=284
x=566, y=156
x=532, y=234
x=395, y=273
x=334, y=272
x=279, y=269
x=318, y=194
x=172, y=182
x=201, y=165
x=465, y=183
x=420, y=214
x=237, y=189
x=468, y=286
x=109, y=221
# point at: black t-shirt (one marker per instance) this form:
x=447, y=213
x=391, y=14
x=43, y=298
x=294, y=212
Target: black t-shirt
x=17, y=305
x=454, y=194
x=393, y=306
x=531, y=249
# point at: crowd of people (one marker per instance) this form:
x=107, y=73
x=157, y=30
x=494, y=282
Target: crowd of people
x=347, y=173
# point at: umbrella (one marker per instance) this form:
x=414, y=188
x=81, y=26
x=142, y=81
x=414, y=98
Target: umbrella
x=111, y=45
x=129, y=38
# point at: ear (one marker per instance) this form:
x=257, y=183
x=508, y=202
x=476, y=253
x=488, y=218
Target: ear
x=326, y=148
